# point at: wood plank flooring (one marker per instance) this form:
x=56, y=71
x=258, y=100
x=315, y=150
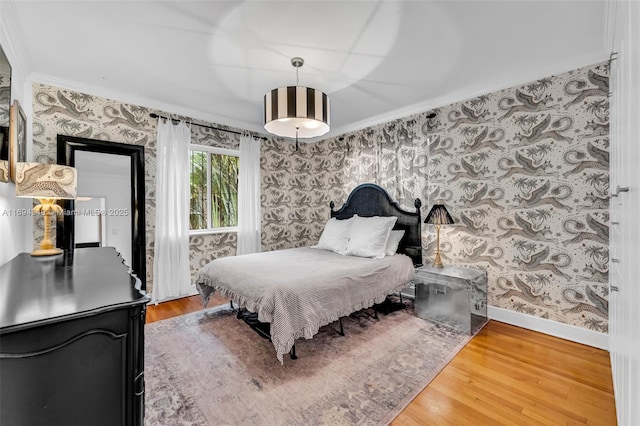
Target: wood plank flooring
x=506, y=375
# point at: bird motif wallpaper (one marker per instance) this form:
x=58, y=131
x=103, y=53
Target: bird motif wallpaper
x=524, y=172
x=59, y=111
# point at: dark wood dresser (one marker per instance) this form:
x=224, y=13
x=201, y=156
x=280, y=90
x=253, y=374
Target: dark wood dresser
x=71, y=340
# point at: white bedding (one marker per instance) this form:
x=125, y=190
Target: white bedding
x=299, y=290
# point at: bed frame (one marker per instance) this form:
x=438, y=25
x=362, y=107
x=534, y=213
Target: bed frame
x=368, y=200
x=365, y=200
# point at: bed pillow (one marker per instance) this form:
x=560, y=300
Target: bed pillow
x=369, y=236
x=394, y=242
x=335, y=235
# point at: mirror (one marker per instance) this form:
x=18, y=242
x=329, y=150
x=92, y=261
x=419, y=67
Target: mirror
x=112, y=174
x=91, y=222
x=5, y=105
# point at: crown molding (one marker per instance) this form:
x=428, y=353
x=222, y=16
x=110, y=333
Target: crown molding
x=12, y=39
x=162, y=107
x=417, y=108
x=515, y=80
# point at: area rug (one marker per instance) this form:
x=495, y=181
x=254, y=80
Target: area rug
x=209, y=368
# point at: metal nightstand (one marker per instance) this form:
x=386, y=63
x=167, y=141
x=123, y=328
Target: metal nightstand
x=453, y=296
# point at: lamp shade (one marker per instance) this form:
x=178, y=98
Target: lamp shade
x=50, y=181
x=439, y=215
x=296, y=111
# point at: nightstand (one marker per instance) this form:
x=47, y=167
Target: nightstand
x=453, y=296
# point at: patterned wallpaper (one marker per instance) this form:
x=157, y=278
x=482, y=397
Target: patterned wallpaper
x=59, y=111
x=523, y=171
x=297, y=186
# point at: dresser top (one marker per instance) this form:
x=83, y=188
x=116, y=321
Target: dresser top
x=36, y=290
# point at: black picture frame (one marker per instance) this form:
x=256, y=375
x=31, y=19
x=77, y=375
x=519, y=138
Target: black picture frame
x=67, y=148
x=5, y=98
x=17, y=138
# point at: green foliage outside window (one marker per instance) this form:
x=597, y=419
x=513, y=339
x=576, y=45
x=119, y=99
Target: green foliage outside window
x=198, y=189
x=222, y=209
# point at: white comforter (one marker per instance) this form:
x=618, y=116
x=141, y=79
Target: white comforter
x=299, y=290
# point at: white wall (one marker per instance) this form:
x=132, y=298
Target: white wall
x=15, y=230
x=90, y=226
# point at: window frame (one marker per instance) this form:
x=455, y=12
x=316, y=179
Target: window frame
x=219, y=151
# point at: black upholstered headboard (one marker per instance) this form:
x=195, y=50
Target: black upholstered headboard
x=368, y=200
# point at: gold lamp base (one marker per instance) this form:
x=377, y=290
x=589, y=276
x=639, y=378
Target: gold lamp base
x=437, y=262
x=438, y=216
x=46, y=252
x=49, y=208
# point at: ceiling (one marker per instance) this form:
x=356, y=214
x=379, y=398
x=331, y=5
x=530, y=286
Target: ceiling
x=377, y=60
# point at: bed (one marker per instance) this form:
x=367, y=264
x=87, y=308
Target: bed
x=289, y=294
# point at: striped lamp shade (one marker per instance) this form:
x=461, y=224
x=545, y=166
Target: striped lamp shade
x=296, y=112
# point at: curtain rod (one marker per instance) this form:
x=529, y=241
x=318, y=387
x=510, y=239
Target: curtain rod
x=154, y=115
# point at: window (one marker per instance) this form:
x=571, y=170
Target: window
x=213, y=181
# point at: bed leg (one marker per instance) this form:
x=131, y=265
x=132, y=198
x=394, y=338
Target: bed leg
x=400, y=293
x=375, y=314
x=341, y=331
x=231, y=305
x=292, y=352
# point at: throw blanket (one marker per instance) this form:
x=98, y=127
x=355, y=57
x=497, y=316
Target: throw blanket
x=299, y=290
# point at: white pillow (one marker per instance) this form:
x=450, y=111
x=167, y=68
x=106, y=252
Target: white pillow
x=369, y=236
x=335, y=235
x=394, y=242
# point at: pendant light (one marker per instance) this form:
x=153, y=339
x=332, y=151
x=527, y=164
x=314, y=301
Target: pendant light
x=296, y=111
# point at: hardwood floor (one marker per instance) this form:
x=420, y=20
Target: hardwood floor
x=180, y=306
x=506, y=375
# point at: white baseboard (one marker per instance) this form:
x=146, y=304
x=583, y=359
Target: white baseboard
x=553, y=328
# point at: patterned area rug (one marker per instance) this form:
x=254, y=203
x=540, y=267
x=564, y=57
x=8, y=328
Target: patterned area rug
x=209, y=368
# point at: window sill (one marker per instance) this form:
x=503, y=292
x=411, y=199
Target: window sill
x=228, y=230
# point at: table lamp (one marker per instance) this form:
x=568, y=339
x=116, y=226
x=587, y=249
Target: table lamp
x=438, y=216
x=47, y=183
